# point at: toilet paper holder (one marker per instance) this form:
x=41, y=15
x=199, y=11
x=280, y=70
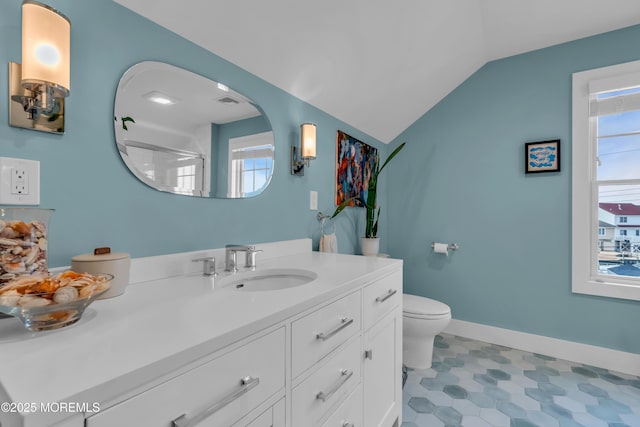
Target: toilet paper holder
x=450, y=246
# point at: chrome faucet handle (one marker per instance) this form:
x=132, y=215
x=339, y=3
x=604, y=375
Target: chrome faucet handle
x=230, y=264
x=231, y=259
x=208, y=265
x=250, y=260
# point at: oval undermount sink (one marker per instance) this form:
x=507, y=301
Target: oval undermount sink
x=267, y=279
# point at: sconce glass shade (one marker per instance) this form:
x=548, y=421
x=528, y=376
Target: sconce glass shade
x=46, y=36
x=308, y=141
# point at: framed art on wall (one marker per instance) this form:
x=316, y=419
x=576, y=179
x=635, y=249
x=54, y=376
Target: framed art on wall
x=355, y=161
x=542, y=156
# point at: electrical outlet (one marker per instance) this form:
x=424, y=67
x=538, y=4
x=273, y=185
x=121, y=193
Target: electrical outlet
x=19, y=181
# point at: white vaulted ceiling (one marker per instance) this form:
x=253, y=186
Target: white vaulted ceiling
x=379, y=65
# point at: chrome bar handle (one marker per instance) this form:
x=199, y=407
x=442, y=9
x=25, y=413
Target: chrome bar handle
x=344, y=377
x=348, y=424
x=246, y=384
x=344, y=322
x=389, y=294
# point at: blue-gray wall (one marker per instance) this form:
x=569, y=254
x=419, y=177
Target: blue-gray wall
x=99, y=203
x=461, y=179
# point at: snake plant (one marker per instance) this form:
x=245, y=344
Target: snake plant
x=373, y=215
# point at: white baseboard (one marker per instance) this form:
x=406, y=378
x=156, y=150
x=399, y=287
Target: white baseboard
x=615, y=360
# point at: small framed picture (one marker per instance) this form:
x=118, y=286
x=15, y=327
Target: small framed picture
x=542, y=156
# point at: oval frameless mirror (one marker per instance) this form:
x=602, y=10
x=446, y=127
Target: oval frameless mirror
x=183, y=133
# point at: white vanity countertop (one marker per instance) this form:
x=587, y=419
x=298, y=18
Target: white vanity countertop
x=157, y=327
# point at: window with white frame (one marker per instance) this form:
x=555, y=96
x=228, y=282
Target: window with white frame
x=250, y=164
x=606, y=180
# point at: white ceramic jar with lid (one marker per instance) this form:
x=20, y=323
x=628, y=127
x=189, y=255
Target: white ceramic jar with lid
x=104, y=261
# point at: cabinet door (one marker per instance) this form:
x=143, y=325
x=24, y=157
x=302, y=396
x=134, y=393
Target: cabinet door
x=382, y=375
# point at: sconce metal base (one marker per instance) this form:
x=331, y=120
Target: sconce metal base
x=21, y=113
x=297, y=166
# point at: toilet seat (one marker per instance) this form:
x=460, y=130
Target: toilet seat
x=417, y=307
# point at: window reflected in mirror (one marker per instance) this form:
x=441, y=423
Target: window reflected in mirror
x=251, y=164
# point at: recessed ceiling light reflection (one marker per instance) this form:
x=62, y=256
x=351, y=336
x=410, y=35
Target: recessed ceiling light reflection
x=160, y=98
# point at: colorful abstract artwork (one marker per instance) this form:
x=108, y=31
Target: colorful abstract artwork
x=543, y=156
x=355, y=162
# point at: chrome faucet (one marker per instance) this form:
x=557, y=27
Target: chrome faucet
x=208, y=265
x=231, y=257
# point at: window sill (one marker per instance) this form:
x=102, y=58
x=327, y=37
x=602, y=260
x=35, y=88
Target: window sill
x=607, y=289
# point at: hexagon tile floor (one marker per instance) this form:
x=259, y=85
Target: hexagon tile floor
x=475, y=384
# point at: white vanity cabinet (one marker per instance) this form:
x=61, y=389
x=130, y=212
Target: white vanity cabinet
x=215, y=394
x=326, y=362
x=183, y=352
x=349, y=374
x=336, y=365
x=382, y=379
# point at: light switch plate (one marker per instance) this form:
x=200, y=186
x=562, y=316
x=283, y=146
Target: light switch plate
x=313, y=200
x=19, y=181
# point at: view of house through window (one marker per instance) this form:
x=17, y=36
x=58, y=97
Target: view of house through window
x=605, y=181
x=617, y=139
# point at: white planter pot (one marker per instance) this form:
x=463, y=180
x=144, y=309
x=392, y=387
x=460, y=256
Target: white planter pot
x=370, y=246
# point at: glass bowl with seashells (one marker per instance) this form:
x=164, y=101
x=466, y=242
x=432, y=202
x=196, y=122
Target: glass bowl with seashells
x=43, y=302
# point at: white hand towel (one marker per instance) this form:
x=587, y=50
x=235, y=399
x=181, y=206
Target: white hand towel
x=329, y=243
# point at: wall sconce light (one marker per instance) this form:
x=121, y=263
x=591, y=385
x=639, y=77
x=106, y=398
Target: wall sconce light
x=39, y=85
x=300, y=158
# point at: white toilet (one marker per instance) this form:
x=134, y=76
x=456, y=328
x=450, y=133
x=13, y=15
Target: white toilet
x=422, y=320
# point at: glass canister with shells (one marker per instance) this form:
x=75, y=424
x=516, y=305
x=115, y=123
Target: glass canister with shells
x=23, y=242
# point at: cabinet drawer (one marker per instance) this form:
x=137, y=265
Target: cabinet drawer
x=212, y=384
x=327, y=387
x=272, y=417
x=380, y=297
x=317, y=334
x=349, y=414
